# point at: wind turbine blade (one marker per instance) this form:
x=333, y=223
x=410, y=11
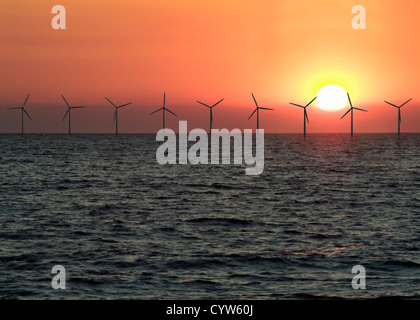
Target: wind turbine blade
x=252, y=114
x=211, y=116
x=203, y=104
x=297, y=105
x=217, y=103
x=78, y=107
x=125, y=105
x=110, y=102
x=266, y=108
x=254, y=100
x=164, y=98
x=360, y=109
x=115, y=115
x=27, y=113
x=66, y=114
x=391, y=104
x=349, y=99
x=156, y=111
x=310, y=102
x=406, y=102
x=66, y=101
x=15, y=108
x=171, y=112
x=346, y=113
x=26, y=100
x=399, y=115
x=306, y=116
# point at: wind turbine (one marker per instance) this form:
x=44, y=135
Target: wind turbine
x=351, y=109
x=211, y=111
x=69, y=112
x=305, y=114
x=399, y=113
x=257, y=110
x=164, y=109
x=116, y=113
x=23, y=110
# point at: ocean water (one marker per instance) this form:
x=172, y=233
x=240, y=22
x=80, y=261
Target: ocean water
x=125, y=227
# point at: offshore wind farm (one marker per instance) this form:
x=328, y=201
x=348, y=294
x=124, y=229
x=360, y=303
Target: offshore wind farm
x=68, y=112
x=256, y=111
x=399, y=112
x=305, y=113
x=23, y=112
x=116, y=112
x=211, y=111
x=163, y=109
x=322, y=200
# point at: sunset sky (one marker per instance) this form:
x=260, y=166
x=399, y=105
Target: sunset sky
x=134, y=50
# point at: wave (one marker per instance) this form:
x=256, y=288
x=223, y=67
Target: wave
x=202, y=282
x=199, y=263
x=402, y=263
x=324, y=235
x=221, y=221
x=222, y=186
x=86, y=281
x=229, y=259
x=310, y=296
x=103, y=209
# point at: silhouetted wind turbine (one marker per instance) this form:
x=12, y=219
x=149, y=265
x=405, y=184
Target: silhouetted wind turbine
x=257, y=110
x=116, y=113
x=351, y=109
x=69, y=112
x=399, y=113
x=305, y=114
x=164, y=109
x=23, y=110
x=211, y=111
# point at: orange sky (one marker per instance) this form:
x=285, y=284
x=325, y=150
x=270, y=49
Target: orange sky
x=282, y=51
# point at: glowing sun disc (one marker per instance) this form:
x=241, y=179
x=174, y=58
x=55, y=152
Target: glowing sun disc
x=331, y=98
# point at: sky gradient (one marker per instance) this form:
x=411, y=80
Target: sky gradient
x=134, y=50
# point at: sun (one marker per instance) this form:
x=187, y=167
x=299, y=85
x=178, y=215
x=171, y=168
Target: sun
x=331, y=98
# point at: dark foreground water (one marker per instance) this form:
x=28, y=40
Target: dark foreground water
x=124, y=226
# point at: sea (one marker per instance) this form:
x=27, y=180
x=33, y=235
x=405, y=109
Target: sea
x=125, y=227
